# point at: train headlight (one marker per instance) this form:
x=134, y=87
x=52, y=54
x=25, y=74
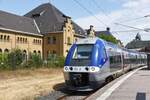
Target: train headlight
x=66, y=68
x=92, y=69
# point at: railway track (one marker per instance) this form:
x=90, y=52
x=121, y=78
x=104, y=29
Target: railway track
x=75, y=96
x=63, y=94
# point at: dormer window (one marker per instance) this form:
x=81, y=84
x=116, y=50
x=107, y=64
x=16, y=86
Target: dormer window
x=79, y=31
x=35, y=15
x=38, y=14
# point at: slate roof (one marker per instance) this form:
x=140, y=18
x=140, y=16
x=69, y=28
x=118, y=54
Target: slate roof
x=135, y=44
x=50, y=19
x=15, y=22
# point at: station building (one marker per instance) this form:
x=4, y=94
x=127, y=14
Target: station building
x=44, y=30
x=139, y=44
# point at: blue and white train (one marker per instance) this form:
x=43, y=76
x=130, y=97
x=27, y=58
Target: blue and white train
x=92, y=61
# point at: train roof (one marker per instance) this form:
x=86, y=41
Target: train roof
x=89, y=40
x=93, y=40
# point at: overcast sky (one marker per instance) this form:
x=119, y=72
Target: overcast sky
x=103, y=13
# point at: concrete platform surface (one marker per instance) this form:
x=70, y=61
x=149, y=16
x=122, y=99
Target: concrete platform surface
x=135, y=87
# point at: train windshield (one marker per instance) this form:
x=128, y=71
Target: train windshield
x=83, y=52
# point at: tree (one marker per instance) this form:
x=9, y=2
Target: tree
x=15, y=58
x=108, y=38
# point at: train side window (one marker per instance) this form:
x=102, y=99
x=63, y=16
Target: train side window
x=104, y=53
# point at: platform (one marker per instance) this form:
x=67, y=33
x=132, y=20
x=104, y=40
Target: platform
x=134, y=85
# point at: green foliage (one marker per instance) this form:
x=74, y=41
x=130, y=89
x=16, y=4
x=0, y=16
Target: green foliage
x=3, y=61
x=108, y=38
x=35, y=60
x=16, y=59
x=55, y=61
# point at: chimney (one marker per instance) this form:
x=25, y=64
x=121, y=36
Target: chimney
x=108, y=29
x=67, y=18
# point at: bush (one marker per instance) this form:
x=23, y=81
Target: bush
x=35, y=61
x=55, y=61
x=16, y=60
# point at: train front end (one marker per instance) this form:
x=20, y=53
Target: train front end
x=83, y=64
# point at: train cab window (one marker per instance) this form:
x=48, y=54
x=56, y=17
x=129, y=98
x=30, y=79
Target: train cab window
x=83, y=52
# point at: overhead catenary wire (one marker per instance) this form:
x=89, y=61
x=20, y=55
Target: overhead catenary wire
x=135, y=19
x=91, y=13
x=101, y=9
x=127, y=31
x=128, y=26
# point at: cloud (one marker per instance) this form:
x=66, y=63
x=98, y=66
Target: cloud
x=130, y=9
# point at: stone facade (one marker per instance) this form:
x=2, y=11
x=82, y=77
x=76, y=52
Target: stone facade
x=44, y=30
x=25, y=42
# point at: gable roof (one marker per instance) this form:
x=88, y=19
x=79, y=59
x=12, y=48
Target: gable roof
x=137, y=44
x=18, y=23
x=50, y=19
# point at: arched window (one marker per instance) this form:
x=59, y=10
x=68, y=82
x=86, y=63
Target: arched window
x=24, y=51
x=39, y=52
x=0, y=50
x=54, y=52
x=25, y=54
x=20, y=39
x=34, y=51
x=1, y=37
x=4, y=37
x=54, y=40
x=6, y=50
x=8, y=38
x=25, y=40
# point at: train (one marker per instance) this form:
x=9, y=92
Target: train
x=92, y=61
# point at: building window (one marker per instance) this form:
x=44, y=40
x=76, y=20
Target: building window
x=54, y=40
x=67, y=51
x=0, y=50
x=25, y=54
x=36, y=41
x=49, y=40
x=6, y=50
x=34, y=51
x=68, y=41
x=8, y=38
x=4, y=37
x=25, y=40
x=1, y=37
x=54, y=52
x=39, y=52
x=40, y=41
x=20, y=39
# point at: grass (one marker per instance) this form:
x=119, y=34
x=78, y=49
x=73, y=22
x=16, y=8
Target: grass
x=7, y=74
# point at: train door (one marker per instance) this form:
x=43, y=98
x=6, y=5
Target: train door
x=115, y=61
